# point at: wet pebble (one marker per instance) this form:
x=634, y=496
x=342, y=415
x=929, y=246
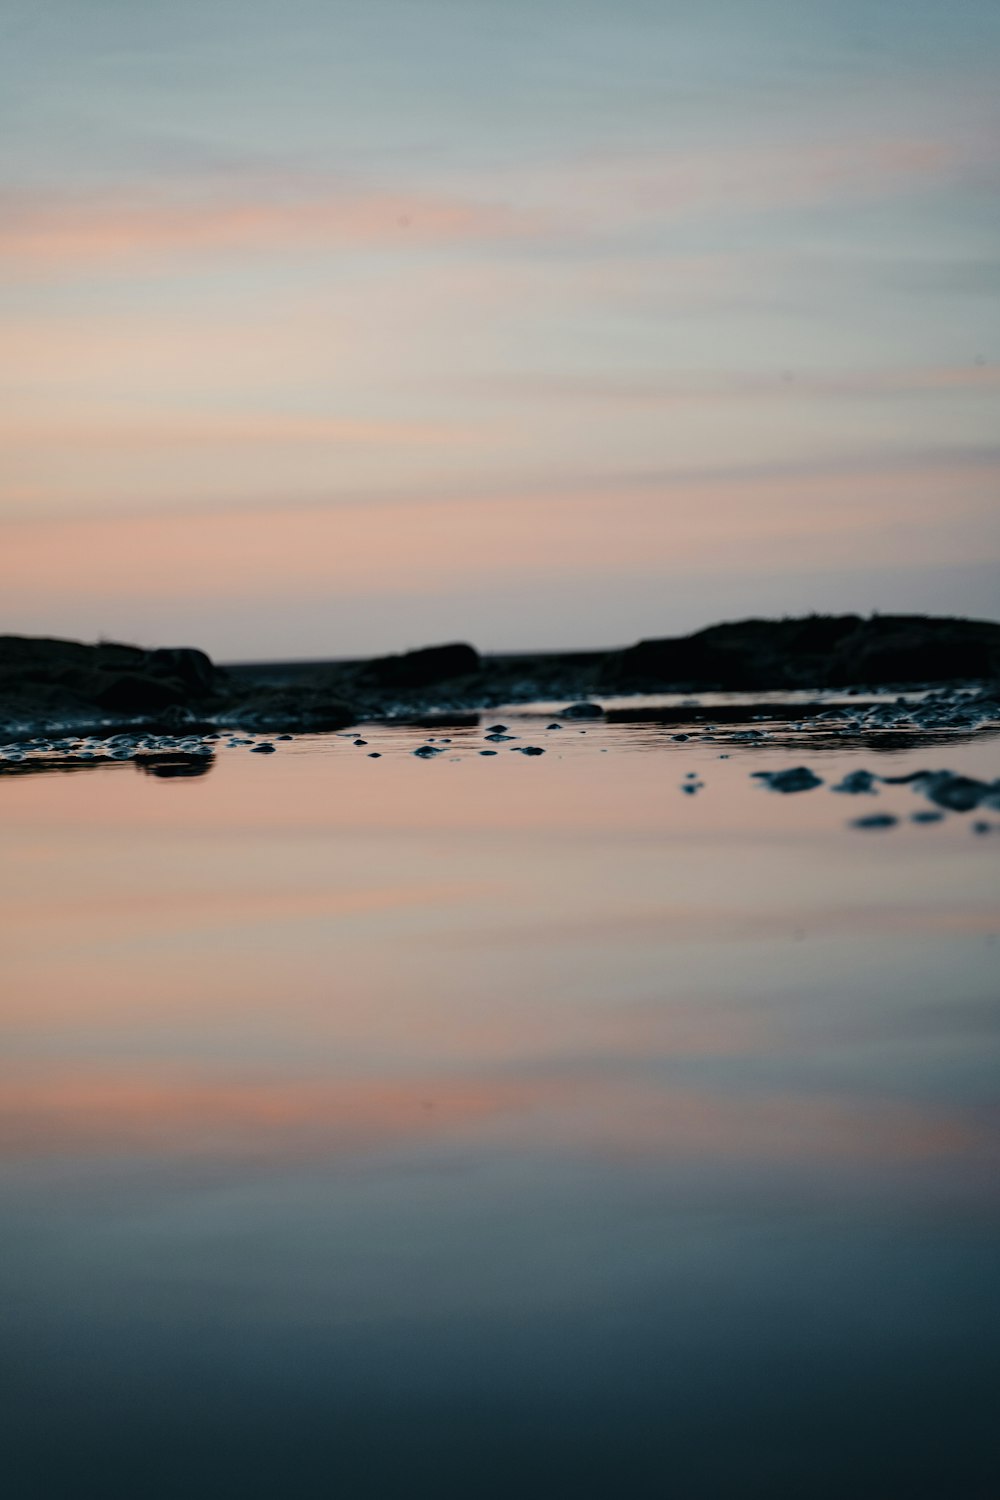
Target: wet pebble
x=263, y=749
x=956, y=793
x=427, y=752
x=875, y=820
x=795, y=779
x=583, y=710
x=856, y=783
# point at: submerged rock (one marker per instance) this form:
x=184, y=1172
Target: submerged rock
x=795, y=779
x=857, y=783
x=956, y=793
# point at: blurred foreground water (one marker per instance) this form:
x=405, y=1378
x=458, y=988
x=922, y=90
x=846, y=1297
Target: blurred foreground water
x=500, y=1125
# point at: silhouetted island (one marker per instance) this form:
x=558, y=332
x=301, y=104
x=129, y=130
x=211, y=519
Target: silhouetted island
x=47, y=683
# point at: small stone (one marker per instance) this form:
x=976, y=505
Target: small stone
x=583, y=711
x=856, y=783
x=795, y=779
x=956, y=793
x=876, y=820
x=532, y=750
x=487, y=752
x=374, y=755
x=427, y=752
x=262, y=749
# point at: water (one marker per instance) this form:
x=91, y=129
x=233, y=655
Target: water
x=499, y=1126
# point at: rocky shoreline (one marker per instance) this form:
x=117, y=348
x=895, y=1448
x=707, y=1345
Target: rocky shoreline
x=55, y=686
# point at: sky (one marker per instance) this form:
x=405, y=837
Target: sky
x=332, y=329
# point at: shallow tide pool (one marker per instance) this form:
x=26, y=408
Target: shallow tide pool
x=494, y=1125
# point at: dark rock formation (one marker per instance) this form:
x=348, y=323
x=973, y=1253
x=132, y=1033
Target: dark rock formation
x=814, y=651
x=45, y=682
x=44, y=677
x=795, y=779
x=51, y=683
x=582, y=711
x=417, y=669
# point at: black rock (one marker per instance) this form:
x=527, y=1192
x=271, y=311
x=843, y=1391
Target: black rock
x=956, y=793
x=192, y=668
x=811, y=651
x=856, y=782
x=795, y=779
x=134, y=692
x=583, y=711
x=417, y=669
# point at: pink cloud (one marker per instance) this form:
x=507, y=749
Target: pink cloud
x=116, y=431
x=76, y=234
x=424, y=544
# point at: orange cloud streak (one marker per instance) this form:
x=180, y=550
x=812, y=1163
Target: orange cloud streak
x=59, y=235
x=423, y=545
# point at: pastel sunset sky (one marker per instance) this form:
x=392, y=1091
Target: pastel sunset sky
x=331, y=328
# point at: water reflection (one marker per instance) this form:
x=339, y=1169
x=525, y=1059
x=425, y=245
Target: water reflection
x=162, y=764
x=497, y=1126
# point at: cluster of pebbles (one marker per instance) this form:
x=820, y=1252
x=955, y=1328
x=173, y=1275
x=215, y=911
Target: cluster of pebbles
x=949, y=791
x=158, y=754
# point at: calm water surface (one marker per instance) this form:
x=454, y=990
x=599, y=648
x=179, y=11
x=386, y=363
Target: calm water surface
x=498, y=1126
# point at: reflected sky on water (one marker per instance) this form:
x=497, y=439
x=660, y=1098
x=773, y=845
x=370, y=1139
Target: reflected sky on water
x=498, y=1126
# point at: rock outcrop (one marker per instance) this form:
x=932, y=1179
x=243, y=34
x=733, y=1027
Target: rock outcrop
x=41, y=674
x=814, y=651
x=419, y=669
